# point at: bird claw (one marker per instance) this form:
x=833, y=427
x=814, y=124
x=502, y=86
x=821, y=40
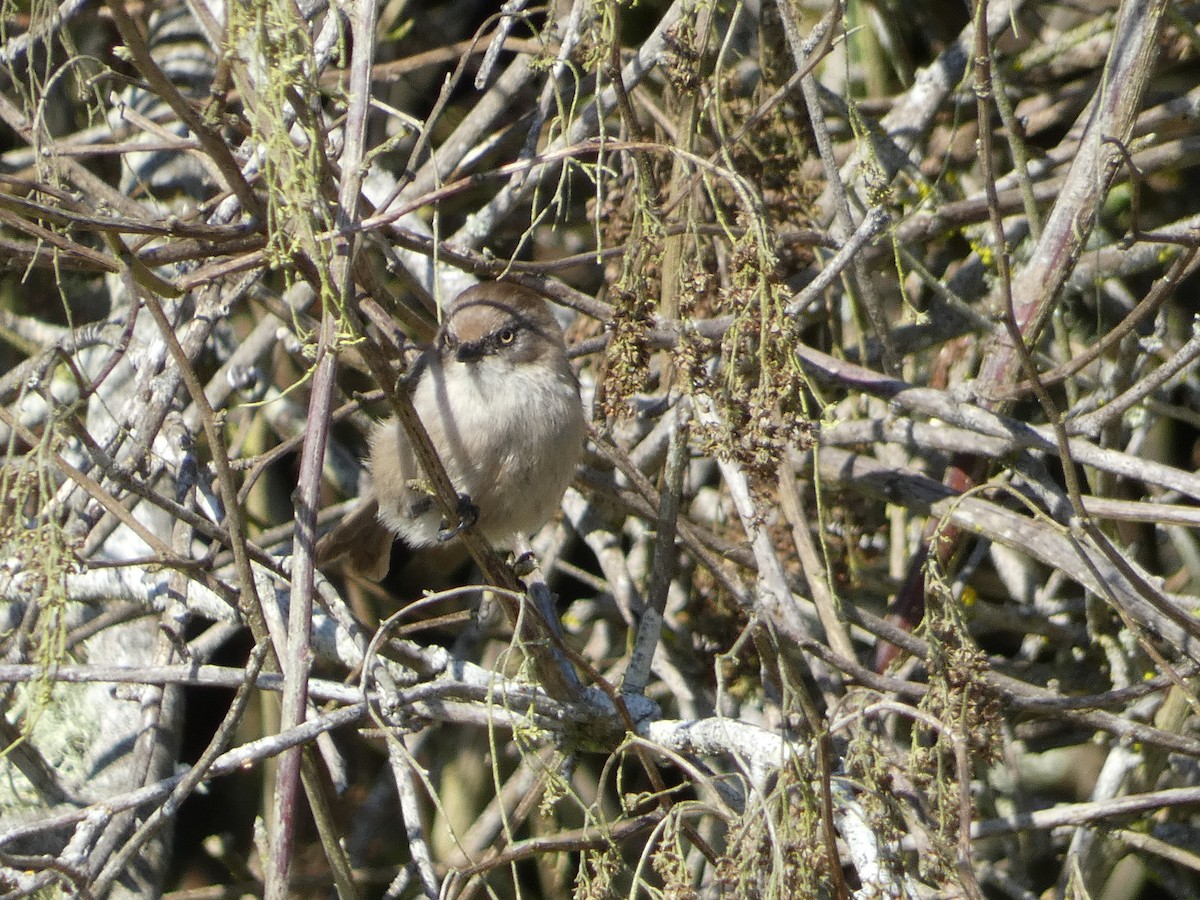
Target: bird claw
x=468, y=515
x=524, y=564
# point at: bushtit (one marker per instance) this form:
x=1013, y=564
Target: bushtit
x=501, y=406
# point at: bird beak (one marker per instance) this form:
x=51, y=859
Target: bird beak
x=469, y=351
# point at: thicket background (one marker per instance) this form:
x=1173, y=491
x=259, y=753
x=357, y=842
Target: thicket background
x=881, y=574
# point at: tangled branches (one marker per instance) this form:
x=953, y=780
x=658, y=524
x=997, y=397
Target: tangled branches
x=879, y=577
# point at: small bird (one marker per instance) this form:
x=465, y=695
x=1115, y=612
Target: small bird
x=501, y=405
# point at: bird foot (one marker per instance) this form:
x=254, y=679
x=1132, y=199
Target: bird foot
x=524, y=564
x=468, y=515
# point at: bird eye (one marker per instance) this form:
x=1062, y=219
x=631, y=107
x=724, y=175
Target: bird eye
x=507, y=335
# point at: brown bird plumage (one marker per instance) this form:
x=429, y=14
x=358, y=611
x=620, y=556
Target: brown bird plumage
x=501, y=406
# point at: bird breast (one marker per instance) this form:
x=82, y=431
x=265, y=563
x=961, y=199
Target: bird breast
x=509, y=436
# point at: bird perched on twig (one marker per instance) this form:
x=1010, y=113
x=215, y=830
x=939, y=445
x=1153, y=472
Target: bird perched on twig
x=501, y=407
